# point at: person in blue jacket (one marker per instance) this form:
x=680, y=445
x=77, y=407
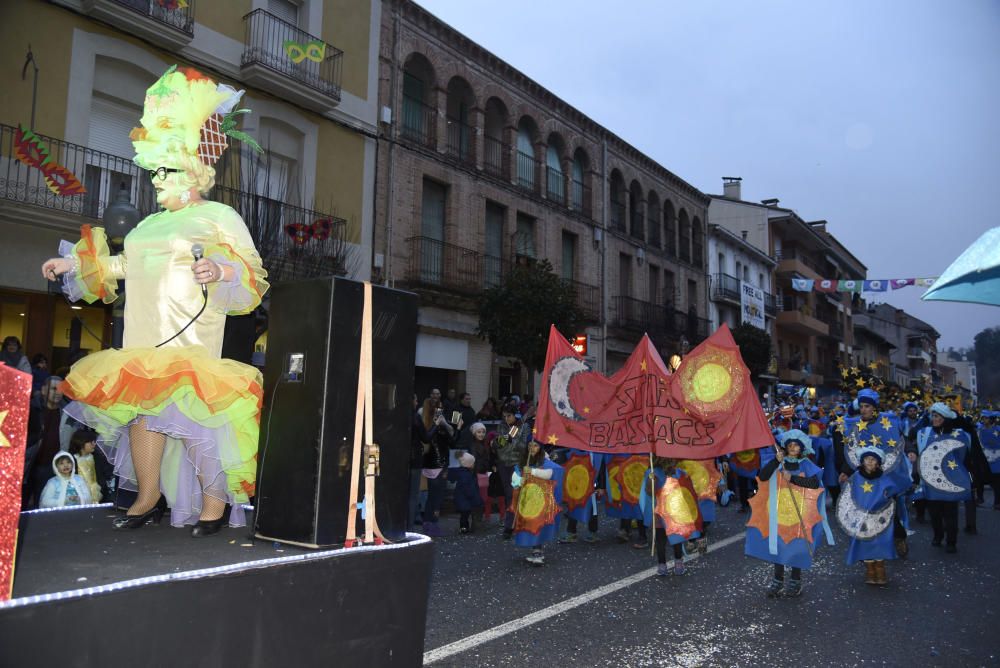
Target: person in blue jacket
x=944, y=451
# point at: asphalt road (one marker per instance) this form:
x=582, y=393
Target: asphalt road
x=937, y=610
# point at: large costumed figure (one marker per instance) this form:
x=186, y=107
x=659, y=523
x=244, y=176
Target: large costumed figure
x=179, y=423
x=788, y=513
x=944, y=452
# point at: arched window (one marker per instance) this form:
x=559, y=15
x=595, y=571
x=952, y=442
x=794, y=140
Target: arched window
x=580, y=193
x=418, y=115
x=653, y=216
x=617, y=212
x=669, y=229
x=697, y=244
x=526, y=163
x=637, y=224
x=555, y=180
x=460, y=131
x=684, y=240
x=496, y=150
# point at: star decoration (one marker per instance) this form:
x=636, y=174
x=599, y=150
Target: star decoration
x=862, y=443
x=952, y=465
x=860, y=382
x=891, y=443
x=876, y=439
x=553, y=439
x=643, y=365
x=873, y=366
x=586, y=410
x=886, y=424
x=956, y=432
x=4, y=443
x=844, y=373
x=862, y=425
x=947, y=389
x=534, y=430
x=867, y=486
x=855, y=369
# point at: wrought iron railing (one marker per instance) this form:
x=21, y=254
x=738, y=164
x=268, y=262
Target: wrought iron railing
x=770, y=304
x=588, y=299
x=176, y=15
x=555, y=186
x=282, y=47
x=660, y=322
x=418, y=121
x=580, y=199
x=527, y=171
x=100, y=173
x=617, y=215
x=792, y=253
x=637, y=224
x=725, y=286
x=496, y=156
x=684, y=245
x=461, y=141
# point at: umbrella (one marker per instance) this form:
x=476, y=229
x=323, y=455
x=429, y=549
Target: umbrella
x=974, y=276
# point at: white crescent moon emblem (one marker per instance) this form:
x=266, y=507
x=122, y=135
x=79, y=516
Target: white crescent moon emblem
x=931, y=469
x=991, y=455
x=859, y=523
x=890, y=456
x=559, y=378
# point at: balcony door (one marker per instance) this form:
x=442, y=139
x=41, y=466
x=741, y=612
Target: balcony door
x=106, y=163
x=432, y=232
x=493, y=266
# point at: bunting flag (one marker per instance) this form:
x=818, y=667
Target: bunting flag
x=706, y=409
x=858, y=285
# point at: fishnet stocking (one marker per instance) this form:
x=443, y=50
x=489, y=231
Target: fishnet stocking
x=147, y=453
x=211, y=507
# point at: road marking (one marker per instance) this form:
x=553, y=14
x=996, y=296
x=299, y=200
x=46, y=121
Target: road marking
x=545, y=614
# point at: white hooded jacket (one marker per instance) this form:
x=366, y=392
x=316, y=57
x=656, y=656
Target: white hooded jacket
x=54, y=493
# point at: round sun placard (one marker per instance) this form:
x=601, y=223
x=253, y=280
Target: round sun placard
x=633, y=474
x=578, y=483
x=712, y=380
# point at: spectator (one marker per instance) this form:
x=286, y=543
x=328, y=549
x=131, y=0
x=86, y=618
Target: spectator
x=450, y=402
x=440, y=437
x=65, y=488
x=91, y=464
x=39, y=457
x=13, y=356
x=489, y=411
x=39, y=374
x=472, y=462
x=419, y=447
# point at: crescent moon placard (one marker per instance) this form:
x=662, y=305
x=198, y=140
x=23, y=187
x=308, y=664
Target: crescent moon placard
x=559, y=379
x=858, y=522
x=931, y=465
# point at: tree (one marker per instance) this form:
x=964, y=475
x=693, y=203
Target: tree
x=755, y=347
x=987, y=373
x=515, y=315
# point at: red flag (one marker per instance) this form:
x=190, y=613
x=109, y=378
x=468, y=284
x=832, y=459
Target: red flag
x=708, y=408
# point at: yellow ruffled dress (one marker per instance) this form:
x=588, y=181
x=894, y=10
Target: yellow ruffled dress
x=208, y=407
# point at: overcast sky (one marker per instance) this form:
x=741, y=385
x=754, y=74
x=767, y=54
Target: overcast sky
x=880, y=117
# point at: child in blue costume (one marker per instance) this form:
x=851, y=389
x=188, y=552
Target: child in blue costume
x=944, y=451
x=585, y=512
x=775, y=509
x=532, y=477
x=677, y=530
x=989, y=436
x=865, y=512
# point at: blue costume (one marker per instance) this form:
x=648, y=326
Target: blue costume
x=943, y=474
x=865, y=511
x=990, y=438
x=548, y=532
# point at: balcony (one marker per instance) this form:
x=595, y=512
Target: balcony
x=290, y=63
x=101, y=174
x=660, y=322
x=637, y=226
x=725, y=288
x=617, y=211
x=794, y=261
x=528, y=170
x=770, y=305
x=633, y=314
x=418, y=122
x=496, y=158
x=461, y=142
x=799, y=318
x=165, y=24
x=915, y=353
x=555, y=186
x=588, y=299
x=797, y=373
x=580, y=198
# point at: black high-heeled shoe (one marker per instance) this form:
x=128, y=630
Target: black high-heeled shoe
x=209, y=527
x=154, y=515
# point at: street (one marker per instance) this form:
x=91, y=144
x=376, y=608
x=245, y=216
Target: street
x=488, y=607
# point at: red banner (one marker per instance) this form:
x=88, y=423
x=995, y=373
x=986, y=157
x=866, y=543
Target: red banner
x=707, y=408
x=15, y=393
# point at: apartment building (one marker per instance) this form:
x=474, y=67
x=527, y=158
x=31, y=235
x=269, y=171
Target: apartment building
x=482, y=168
x=82, y=90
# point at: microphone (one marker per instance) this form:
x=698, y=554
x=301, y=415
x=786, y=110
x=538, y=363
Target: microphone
x=198, y=251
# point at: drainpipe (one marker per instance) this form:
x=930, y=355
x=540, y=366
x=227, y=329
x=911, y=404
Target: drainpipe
x=604, y=253
x=388, y=280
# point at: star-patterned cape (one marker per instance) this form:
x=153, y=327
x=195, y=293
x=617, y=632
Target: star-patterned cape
x=872, y=496
x=884, y=433
x=990, y=438
x=787, y=522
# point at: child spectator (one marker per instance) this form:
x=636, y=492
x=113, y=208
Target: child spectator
x=90, y=463
x=66, y=488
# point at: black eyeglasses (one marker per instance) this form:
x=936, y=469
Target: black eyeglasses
x=162, y=172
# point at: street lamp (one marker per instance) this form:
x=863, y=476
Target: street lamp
x=120, y=218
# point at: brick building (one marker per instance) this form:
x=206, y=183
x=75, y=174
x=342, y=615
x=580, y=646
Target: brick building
x=480, y=167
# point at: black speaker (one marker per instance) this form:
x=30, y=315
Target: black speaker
x=307, y=426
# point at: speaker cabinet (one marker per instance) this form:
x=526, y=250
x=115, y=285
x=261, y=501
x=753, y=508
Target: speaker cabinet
x=307, y=420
